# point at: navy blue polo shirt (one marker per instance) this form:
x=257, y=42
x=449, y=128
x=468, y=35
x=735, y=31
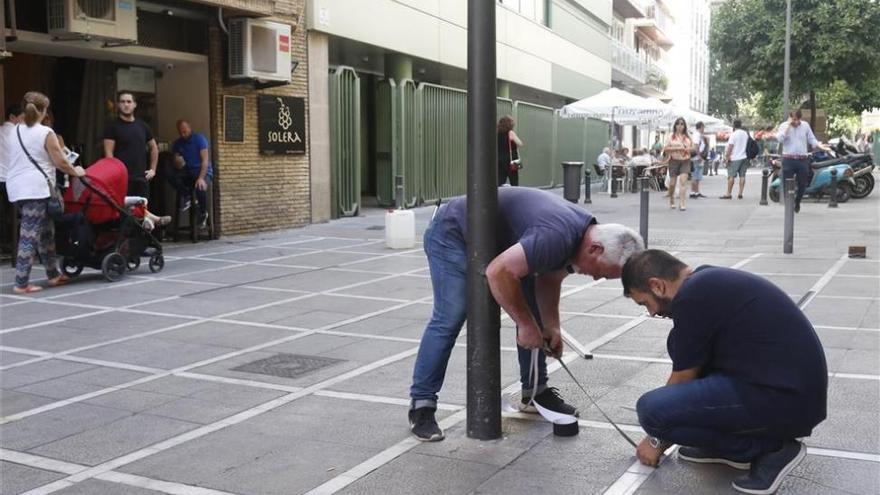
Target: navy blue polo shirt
x=549, y=228
x=739, y=324
x=190, y=149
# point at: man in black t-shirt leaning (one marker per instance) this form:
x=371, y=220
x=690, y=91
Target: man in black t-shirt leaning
x=127, y=138
x=748, y=371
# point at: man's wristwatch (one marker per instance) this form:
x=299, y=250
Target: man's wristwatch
x=655, y=442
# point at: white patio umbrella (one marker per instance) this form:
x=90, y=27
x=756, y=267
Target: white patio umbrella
x=618, y=107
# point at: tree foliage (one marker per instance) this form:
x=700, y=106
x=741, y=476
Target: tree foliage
x=832, y=41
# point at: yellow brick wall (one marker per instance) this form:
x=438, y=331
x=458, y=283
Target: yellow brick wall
x=259, y=192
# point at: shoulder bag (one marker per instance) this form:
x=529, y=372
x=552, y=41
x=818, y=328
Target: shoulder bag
x=55, y=207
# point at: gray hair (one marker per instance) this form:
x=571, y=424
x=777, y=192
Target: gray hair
x=619, y=242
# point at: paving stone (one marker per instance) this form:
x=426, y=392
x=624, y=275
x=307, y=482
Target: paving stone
x=850, y=286
x=99, y=487
x=116, y=324
x=59, y=388
x=390, y=264
x=871, y=319
x=8, y=357
x=155, y=352
x=131, y=400
x=37, y=312
x=322, y=259
x=241, y=274
x=15, y=478
x=56, y=424
x=517, y=437
x=60, y=338
x=421, y=474
x=791, y=284
x=113, y=440
x=226, y=335
x=860, y=361
x=401, y=287
x=269, y=254
x=677, y=477
x=38, y=372
x=818, y=475
x=317, y=280
x=335, y=243
x=241, y=459
x=837, y=312
x=510, y=480
x=14, y=402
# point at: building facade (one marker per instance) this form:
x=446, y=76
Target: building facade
x=689, y=87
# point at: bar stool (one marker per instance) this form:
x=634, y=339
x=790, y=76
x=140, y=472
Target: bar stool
x=192, y=228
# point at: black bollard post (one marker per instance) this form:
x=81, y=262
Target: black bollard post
x=832, y=190
x=613, y=183
x=643, y=213
x=790, y=191
x=765, y=176
x=587, y=199
x=483, y=315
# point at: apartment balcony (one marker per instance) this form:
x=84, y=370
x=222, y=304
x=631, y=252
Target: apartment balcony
x=656, y=25
x=629, y=8
x=656, y=82
x=626, y=65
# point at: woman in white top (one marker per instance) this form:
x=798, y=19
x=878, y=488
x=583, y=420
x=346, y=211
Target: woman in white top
x=27, y=188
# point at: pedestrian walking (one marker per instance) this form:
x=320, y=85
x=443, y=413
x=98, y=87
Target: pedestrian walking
x=127, y=138
x=701, y=148
x=543, y=239
x=30, y=184
x=736, y=159
x=677, y=151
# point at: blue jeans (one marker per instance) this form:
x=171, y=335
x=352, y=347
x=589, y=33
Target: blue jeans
x=707, y=413
x=799, y=169
x=447, y=260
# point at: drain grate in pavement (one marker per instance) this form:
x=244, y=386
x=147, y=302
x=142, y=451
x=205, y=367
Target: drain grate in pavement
x=287, y=365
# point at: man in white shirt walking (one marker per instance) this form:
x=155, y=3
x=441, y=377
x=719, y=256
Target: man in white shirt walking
x=736, y=159
x=795, y=136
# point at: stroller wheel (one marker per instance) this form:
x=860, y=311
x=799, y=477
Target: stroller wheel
x=133, y=263
x=157, y=263
x=113, y=267
x=70, y=267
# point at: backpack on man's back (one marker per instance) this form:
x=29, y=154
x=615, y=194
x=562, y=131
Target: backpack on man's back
x=752, y=149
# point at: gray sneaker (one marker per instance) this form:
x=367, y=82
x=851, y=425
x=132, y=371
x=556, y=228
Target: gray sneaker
x=768, y=470
x=703, y=456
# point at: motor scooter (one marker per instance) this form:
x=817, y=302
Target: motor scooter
x=820, y=182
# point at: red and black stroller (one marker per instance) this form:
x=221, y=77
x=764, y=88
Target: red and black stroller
x=99, y=233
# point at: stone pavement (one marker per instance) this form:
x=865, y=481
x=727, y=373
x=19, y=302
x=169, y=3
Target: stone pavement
x=280, y=363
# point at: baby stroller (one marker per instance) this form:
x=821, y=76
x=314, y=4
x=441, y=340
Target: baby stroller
x=99, y=233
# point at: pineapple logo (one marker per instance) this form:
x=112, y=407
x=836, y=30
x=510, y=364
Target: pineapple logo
x=284, y=118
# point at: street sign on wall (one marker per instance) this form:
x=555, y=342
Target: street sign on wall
x=281, y=124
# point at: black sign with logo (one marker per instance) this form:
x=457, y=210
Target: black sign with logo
x=282, y=125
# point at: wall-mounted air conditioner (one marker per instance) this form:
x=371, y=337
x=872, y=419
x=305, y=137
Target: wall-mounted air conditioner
x=259, y=50
x=93, y=19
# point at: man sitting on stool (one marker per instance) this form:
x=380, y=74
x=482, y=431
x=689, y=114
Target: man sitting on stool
x=192, y=170
x=748, y=371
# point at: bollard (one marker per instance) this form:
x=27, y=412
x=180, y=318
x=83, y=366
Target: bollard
x=587, y=199
x=571, y=181
x=613, y=184
x=832, y=190
x=765, y=176
x=643, y=214
x=790, y=191
x=398, y=191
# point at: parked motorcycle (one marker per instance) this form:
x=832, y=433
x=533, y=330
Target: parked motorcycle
x=820, y=182
x=862, y=165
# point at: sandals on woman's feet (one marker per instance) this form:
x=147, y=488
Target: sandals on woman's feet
x=725, y=197
x=59, y=281
x=28, y=289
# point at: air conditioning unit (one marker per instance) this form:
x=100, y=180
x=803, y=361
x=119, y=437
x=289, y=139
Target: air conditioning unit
x=259, y=49
x=93, y=19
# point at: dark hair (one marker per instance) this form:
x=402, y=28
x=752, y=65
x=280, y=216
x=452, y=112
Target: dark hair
x=651, y=263
x=129, y=93
x=737, y=124
x=683, y=122
x=795, y=113
x=13, y=109
x=34, y=103
x=506, y=124
x=699, y=125
x=182, y=121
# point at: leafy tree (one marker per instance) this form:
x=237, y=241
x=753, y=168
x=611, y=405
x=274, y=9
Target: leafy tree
x=831, y=41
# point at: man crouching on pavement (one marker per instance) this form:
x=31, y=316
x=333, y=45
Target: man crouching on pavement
x=748, y=370
x=542, y=239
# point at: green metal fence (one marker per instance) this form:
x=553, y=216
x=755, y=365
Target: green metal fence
x=420, y=133
x=345, y=139
x=536, y=126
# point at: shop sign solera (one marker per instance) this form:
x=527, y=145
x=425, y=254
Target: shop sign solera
x=282, y=125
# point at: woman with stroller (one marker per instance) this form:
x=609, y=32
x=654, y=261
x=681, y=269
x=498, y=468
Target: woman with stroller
x=33, y=158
